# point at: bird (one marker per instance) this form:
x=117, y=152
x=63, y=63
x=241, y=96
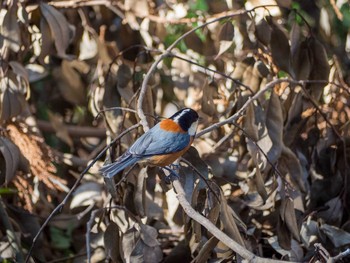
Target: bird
x=161, y=145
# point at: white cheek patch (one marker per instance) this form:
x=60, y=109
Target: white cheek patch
x=192, y=130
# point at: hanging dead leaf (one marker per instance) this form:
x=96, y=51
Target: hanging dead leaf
x=250, y=126
x=274, y=125
x=22, y=77
x=131, y=246
x=47, y=46
x=140, y=192
x=210, y=92
x=226, y=35
x=206, y=250
x=59, y=28
x=12, y=102
x=280, y=49
x=228, y=222
x=295, y=38
x=10, y=30
x=263, y=32
x=301, y=60
x=111, y=240
x=11, y=159
x=287, y=214
x=259, y=180
x=320, y=68
x=149, y=235
x=251, y=78
x=290, y=164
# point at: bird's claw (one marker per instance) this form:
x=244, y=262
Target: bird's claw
x=173, y=175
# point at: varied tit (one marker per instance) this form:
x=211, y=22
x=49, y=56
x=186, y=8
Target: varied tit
x=159, y=146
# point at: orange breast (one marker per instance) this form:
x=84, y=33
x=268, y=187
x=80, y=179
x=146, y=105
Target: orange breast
x=167, y=159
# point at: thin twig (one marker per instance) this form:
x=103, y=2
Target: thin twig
x=73, y=130
x=236, y=81
x=240, y=112
x=58, y=208
x=167, y=53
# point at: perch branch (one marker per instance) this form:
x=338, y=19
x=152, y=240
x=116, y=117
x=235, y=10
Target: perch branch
x=232, y=244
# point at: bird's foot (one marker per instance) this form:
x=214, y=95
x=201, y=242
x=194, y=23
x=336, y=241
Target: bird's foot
x=174, y=166
x=172, y=176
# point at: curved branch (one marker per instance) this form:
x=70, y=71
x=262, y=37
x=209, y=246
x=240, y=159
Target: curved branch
x=167, y=53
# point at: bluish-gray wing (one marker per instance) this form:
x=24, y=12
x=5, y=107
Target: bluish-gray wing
x=158, y=141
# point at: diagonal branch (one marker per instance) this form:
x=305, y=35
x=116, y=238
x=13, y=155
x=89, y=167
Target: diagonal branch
x=232, y=244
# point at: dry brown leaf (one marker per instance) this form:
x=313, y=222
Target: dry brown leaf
x=274, y=125
x=48, y=43
x=206, y=250
x=140, y=192
x=12, y=102
x=210, y=92
x=263, y=32
x=10, y=159
x=59, y=28
x=10, y=30
x=287, y=214
x=320, y=68
x=226, y=35
x=302, y=62
x=280, y=49
x=111, y=240
x=228, y=222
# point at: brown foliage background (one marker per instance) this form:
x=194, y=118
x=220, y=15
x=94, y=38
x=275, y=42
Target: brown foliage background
x=276, y=179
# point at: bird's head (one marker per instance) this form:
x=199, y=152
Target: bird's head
x=187, y=119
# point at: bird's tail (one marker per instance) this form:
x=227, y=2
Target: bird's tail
x=110, y=170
